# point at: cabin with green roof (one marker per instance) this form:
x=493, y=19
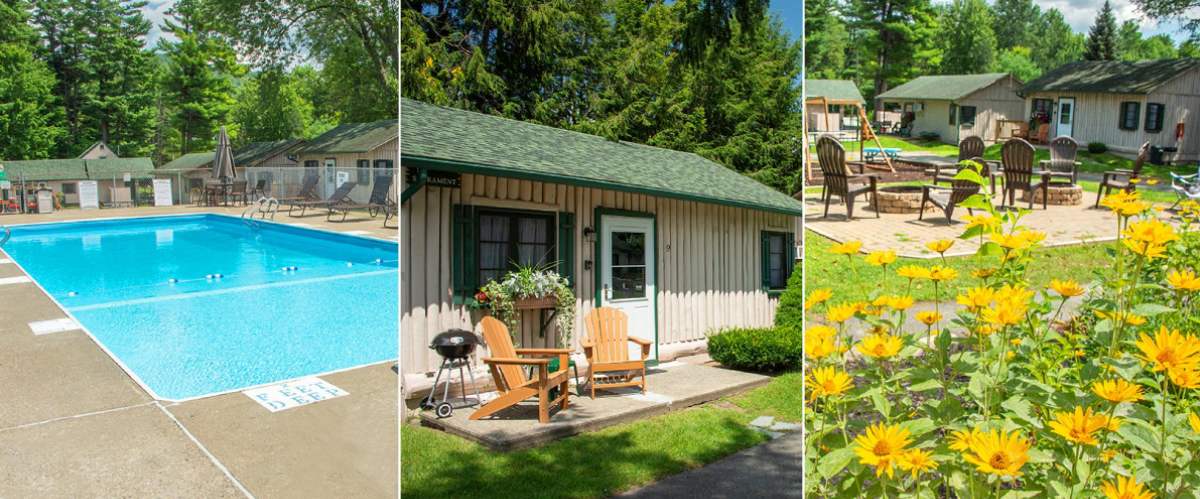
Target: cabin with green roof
x=1122, y=104
x=954, y=106
x=364, y=153
x=682, y=244
x=62, y=176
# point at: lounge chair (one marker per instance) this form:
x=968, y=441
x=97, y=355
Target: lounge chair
x=1122, y=179
x=948, y=198
x=1016, y=156
x=1187, y=187
x=512, y=384
x=308, y=190
x=837, y=178
x=607, y=349
x=1062, y=164
x=374, y=205
x=340, y=195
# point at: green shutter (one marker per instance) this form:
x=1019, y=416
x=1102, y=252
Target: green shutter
x=765, y=259
x=790, y=241
x=464, y=263
x=566, y=246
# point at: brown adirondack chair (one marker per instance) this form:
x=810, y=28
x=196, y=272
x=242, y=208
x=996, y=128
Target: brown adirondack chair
x=511, y=382
x=832, y=158
x=1063, y=150
x=1122, y=179
x=971, y=147
x=1017, y=157
x=948, y=198
x=607, y=350
x=1042, y=134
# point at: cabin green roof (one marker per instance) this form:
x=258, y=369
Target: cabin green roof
x=353, y=137
x=841, y=90
x=100, y=169
x=942, y=87
x=1111, y=77
x=40, y=170
x=256, y=152
x=443, y=138
x=189, y=161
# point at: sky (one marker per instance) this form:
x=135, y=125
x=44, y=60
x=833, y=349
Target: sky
x=155, y=11
x=791, y=12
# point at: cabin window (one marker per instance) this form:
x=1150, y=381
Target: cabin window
x=1042, y=108
x=69, y=188
x=511, y=239
x=310, y=163
x=1154, y=117
x=953, y=113
x=891, y=107
x=778, y=259
x=1130, y=112
x=363, y=172
x=835, y=108
x=383, y=170
x=966, y=116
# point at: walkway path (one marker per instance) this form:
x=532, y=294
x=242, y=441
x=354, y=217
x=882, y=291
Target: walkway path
x=769, y=470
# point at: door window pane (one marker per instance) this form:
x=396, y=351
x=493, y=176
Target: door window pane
x=628, y=265
x=1064, y=113
x=628, y=248
x=628, y=282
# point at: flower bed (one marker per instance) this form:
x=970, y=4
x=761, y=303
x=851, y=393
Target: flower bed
x=1006, y=394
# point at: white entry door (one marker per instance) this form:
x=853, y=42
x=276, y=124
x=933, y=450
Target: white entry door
x=330, y=177
x=627, y=280
x=1066, y=117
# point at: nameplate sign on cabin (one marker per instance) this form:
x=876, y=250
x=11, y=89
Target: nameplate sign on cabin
x=89, y=194
x=283, y=396
x=162, y=192
x=436, y=178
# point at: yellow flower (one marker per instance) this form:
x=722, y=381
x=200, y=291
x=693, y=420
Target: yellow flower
x=998, y=453
x=1079, y=354
x=882, y=446
x=841, y=313
x=940, y=246
x=1117, y=391
x=984, y=330
x=1016, y=342
x=827, y=382
x=1194, y=422
x=1119, y=317
x=1148, y=237
x=1032, y=237
x=983, y=273
x=899, y=303
x=913, y=272
x=879, y=258
x=1079, y=426
x=929, y=317
x=1015, y=295
x=1184, y=280
x=985, y=221
x=817, y=296
x=847, y=248
x=917, y=461
x=976, y=298
x=1169, y=349
x=1066, y=288
x=963, y=440
x=1005, y=313
x=1125, y=488
x=1107, y=455
x=820, y=341
x=880, y=346
x=940, y=273
x=1184, y=377
x=1015, y=242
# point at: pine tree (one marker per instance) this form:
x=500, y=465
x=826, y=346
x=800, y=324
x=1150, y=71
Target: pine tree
x=199, y=79
x=119, y=94
x=1014, y=23
x=825, y=40
x=269, y=106
x=28, y=114
x=970, y=46
x=895, y=37
x=1102, y=39
x=1054, y=42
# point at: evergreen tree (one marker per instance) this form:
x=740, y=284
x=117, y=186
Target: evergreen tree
x=64, y=42
x=825, y=40
x=118, y=92
x=28, y=114
x=970, y=46
x=1102, y=39
x=198, y=80
x=1018, y=62
x=896, y=38
x=269, y=107
x=1014, y=23
x=1055, y=43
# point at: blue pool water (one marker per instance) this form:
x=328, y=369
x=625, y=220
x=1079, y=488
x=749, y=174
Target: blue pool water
x=256, y=324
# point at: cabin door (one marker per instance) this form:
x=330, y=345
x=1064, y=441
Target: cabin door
x=1066, y=117
x=627, y=280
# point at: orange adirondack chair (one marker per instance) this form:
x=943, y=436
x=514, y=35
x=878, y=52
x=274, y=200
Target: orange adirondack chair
x=607, y=350
x=1042, y=135
x=511, y=382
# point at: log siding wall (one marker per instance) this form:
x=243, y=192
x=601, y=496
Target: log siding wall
x=708, y=261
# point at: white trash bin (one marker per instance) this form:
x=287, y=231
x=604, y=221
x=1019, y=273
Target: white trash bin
x=45, y=201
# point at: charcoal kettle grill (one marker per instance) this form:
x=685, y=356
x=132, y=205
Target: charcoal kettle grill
x=455, y=347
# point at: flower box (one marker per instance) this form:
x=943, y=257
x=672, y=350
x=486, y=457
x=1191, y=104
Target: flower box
x=549, y=301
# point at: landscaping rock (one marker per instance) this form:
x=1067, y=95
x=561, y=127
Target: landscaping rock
x=785, y=426
x=763, y=422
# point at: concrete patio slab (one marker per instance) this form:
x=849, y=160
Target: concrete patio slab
x=131, y=452
x=669, y=387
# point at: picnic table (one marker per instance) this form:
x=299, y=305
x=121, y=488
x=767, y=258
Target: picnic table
x=870, y=153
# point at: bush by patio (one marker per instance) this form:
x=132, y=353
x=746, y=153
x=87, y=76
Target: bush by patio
x=758, y=349
x=1097, y=148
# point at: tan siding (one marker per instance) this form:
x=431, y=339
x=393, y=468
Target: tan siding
x=707, y=261
x=1097, y=119
x=996, y=102
x=389, y=150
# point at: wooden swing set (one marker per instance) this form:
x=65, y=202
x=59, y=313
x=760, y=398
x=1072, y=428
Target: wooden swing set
x=865, y=130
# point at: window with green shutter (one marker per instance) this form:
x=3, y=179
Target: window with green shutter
x=489, y=242
x=1130, y=111
x=1154, y=117
x=778, y=259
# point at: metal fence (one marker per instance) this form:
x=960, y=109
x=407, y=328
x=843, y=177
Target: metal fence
x=283, y=182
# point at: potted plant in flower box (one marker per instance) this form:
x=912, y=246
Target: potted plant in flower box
x=530, y=288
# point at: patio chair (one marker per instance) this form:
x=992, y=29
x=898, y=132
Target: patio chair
x=240, y=190
x=971, y=147
x=1187, y=187
x=511, y=383
x=1042, y=134
x=1016, y=156
x=948, y=198
x=837, y=179
x=1123, y=179
x=260, y=189
x=607, y=349
x=308, y=190
x=374, y=205
x=1062, y=163
x=340, y=195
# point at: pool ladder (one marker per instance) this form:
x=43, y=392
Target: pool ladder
x=263, y=208
x=6, y=236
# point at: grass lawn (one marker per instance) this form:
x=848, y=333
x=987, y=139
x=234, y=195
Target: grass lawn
x=854, y=281
x=435, y=464
x=932, y=147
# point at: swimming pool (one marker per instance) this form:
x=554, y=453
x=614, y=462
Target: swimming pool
x=196, y=305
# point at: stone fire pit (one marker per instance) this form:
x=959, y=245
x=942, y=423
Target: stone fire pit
x=902, y=199
x=1061, y=194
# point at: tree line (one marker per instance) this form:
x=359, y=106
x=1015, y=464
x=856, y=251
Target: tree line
x=76, y=71
x=882, y=43
x=716, y=77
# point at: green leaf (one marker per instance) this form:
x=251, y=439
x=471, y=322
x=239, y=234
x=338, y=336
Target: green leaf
x=835, y=461
x=1021, y=409
x=1151, y=309
x=924, y=386
x=918, y=427
x=1138, y=435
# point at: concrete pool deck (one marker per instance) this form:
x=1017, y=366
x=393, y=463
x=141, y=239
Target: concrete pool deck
x=74, y=424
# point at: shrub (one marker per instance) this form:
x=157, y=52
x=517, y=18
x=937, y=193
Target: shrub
x=758, y=349
x=790, y=312
x=930, y=136
x=1097, y=147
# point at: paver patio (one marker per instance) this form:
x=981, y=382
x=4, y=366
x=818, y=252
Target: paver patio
x=74, y=424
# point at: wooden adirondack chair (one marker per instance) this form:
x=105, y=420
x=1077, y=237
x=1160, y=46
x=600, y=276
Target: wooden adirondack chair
x=510, y=379
x=607, y=350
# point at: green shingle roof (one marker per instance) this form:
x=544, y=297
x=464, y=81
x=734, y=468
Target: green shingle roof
x=353, y=137
x=942, y=87
x=1115, y=77
x=452, y=139
x=99, y=169
x=45, y=169
x=256, y=152
x=843, y=90
x=189, y=161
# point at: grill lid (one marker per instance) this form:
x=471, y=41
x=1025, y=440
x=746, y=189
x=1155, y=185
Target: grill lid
x=454, y=337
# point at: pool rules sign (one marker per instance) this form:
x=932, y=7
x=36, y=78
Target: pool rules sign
x=295, y=393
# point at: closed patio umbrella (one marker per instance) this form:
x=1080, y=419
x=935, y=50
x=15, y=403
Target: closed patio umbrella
x=223, y=163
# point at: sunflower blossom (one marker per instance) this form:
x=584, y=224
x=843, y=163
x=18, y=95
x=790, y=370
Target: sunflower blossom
x=882, y=446
x=827, y=382
x=913, y=272
x=847, y=248
x=820, y=341
x=1079, y=426
x=1184, y=280
x=1117, y=391
x=917, y=461
x=1066, y=289
x=841, y=313
x=1125, y=488
x=880, y=346
x=999, y=453
x=928, y=317
x=880, y=258
x=940, y=246
x=1169, y=349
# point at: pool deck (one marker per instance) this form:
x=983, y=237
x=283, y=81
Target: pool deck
x=74, y=424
